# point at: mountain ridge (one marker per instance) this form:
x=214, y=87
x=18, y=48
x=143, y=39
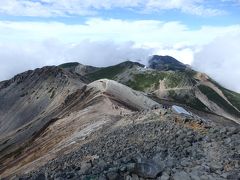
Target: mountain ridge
x=180, y=84
x=63, y=121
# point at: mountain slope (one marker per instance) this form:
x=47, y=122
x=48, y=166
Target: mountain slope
x=57, y=125
x=33, y=94
x=57, y=110
x=176, y=83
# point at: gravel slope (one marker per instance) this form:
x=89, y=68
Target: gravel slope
x=147, y=145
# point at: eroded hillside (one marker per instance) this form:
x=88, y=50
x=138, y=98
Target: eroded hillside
x=174, y=81
x=70, y=122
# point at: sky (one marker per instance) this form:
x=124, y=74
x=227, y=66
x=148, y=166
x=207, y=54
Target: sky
x=202, y=33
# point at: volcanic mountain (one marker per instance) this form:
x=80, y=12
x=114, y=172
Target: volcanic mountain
x=82, y=122
x=167, y=79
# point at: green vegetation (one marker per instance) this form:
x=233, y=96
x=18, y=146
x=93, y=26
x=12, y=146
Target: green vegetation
x=69, y=65
x=108, y=72
x=213, y=96
x=185, y=100
x=147, y=80
x=233, y=97
x=112, y=71
x=188, y=100
x=172, y=93
x=190, y=74
x=141, y=82
x=197, y=104
x=174, y=79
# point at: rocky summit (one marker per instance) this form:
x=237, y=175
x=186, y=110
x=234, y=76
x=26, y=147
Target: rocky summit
x=164, y=121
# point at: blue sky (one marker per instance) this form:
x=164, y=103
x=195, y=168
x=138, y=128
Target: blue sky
x=221, y=12
x=34, y=33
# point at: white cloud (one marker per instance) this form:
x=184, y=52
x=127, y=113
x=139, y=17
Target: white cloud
x=139, y=31
x=15, y=58
x=100, y=42
x=221, y=60
x=195, y=7
x=184, y=55
x=47, y=8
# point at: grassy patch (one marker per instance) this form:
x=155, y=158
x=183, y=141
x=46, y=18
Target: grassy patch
x=232, y=96
x=141, y=82
x=112, y=71
x=174, y=79
x=146, y=80
x=191, y=102
x=188, y=100
x=108, y=72
x=196, y=104
x=213, y=96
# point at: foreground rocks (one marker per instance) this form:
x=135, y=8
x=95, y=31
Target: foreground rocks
x=152, y=147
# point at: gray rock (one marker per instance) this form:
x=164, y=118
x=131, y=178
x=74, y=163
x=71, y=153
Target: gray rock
x=40, y=177
x=184, y=162
x=135, y=177
x=128, y=177
x=112, y=175
x=182, y=175
x=130, y=167
x=213, y=130
x=59, y=178
x=232, y=130
x=102, y=177
x=84, y=167
x=102, y=164
x=70, y=175
x=158, y=160
x=216, y=165
x=147, y=169
x=164, y=176
x=170, y=162
x=194, y=175
x=223, y=130
x=228, y=140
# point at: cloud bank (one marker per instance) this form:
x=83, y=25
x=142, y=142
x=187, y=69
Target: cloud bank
x=221, y=60
x=102, y=42
x=139, y=31
x=18, y=58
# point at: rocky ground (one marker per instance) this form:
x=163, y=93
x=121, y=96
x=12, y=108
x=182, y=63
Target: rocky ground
x=151, y=145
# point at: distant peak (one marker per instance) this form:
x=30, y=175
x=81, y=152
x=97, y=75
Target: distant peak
x=166, y=59
x=165, y=63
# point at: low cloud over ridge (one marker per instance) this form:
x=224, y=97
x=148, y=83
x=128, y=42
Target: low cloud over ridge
x=18, y=58
x=220, y=59
x=36, y=44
